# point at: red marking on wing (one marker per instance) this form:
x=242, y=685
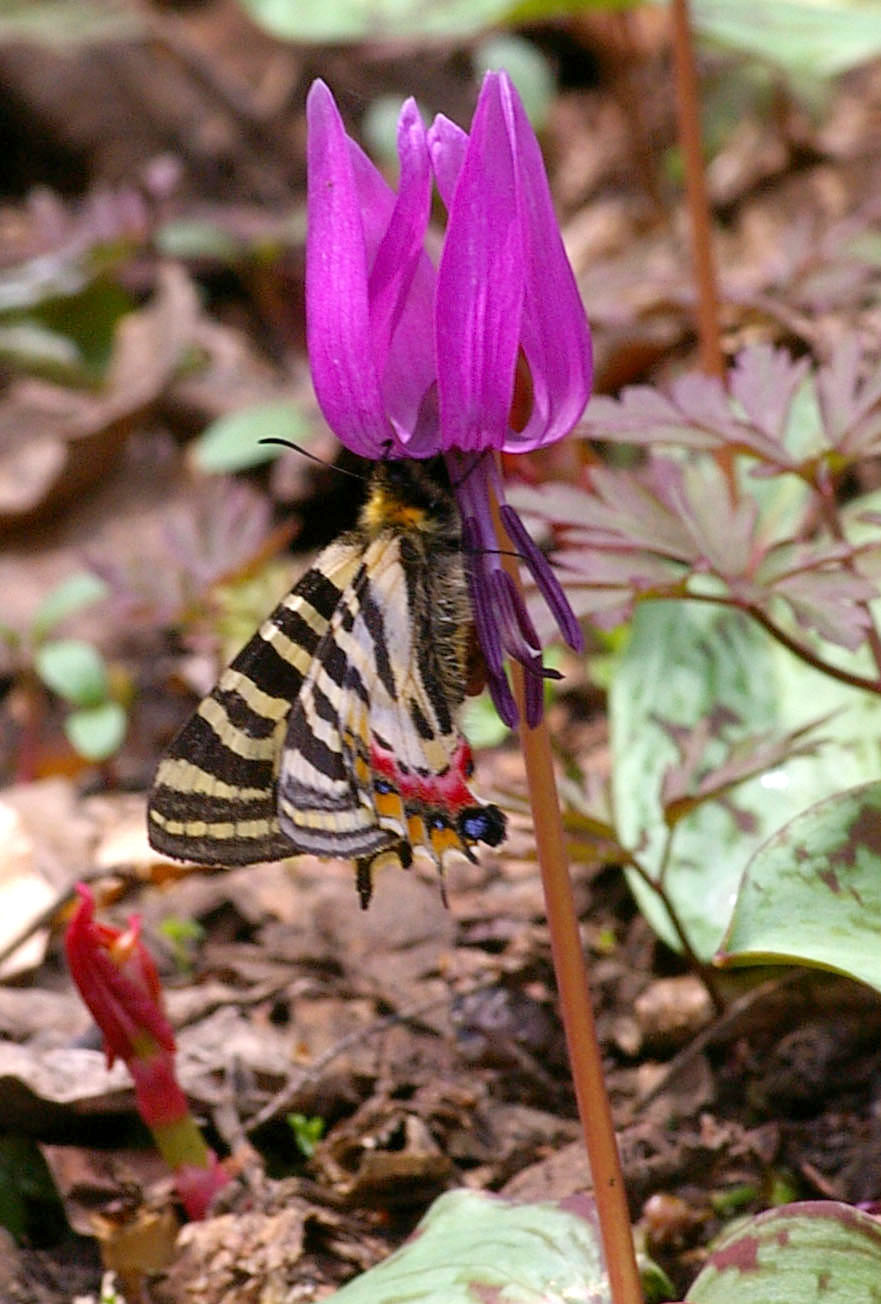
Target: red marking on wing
x=447, y=790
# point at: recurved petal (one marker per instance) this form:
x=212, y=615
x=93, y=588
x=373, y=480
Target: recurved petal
x=480, y=283
x=554, y=332
x=341, y=355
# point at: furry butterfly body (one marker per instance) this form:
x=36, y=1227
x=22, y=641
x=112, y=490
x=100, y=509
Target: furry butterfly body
x=334, y=729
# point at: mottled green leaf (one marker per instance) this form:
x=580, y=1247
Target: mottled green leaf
x=232, y=442
x=819, y=1252
x=811, y=894
x=689, y=669
x=471, y=1247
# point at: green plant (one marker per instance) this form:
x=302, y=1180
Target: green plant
x=746, y=704
x=307, y=1132
x=73, y=669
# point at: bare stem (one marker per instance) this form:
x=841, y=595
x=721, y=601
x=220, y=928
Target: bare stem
x=570, y=969
x=800, y=650
x=688, y=117
x=656, y=883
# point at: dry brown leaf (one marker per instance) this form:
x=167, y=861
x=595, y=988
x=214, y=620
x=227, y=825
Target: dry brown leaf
x=55, y=441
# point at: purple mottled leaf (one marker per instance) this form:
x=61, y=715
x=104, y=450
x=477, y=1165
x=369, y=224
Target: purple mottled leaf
x=475, y=1248
x=820, y=1252
x=850, y=405
x=764, y=380
x=628, y=509
x=644, y=416
x=831, y=602
x=691, y=781
x=605, y=585
x=723, y=530
x=696, y=413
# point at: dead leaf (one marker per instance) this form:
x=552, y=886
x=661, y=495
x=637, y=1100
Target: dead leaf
x=54, y=441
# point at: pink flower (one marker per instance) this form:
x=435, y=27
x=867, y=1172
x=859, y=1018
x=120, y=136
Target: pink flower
x=118, y=981
x=412, y=361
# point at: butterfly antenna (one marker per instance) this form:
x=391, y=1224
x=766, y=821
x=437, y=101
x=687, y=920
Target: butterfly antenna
x=304, y=452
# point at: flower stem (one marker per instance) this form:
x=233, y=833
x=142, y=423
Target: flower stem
x=578, y=1021
x=570, y=969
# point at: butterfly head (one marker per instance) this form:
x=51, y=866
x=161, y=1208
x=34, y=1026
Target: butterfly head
x=410, y=496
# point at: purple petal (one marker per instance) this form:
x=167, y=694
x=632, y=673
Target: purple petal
x=341, y=356
x=480, y=286
x=402, y=283
x=549, y=586
x=555, y=334
x=402, y=242
x=503, y=699
x=533, y=691
x=481, y=600
x=447, y=144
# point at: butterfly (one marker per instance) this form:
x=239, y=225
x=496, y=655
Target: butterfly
x=334, y=729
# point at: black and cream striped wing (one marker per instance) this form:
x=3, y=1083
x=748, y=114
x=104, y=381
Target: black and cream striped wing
x=214, y=800
x=373, y=760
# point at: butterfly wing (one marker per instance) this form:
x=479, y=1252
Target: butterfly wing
x=373, y=761
x=214, y=798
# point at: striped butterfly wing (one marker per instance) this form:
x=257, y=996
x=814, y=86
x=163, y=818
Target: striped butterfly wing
x=214, y=800
x=373, y=761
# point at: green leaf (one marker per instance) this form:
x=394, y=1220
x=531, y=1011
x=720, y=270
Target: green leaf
x=527, y=67
x=96, y=732
x=471, y=1246
x=307, y=1132
x=807, y=38
x=232, y=442
x=481, y=723
x=90, y=319
x=818, y=1252
x=64, y=313
x=71, y=595
x=353, y=20
x=29, y=346
x=689, y=669
x=66, y=23
x=197, y=238
x=358, y=20
x=812, y=893
x=29, y=1203
x=74, y=670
